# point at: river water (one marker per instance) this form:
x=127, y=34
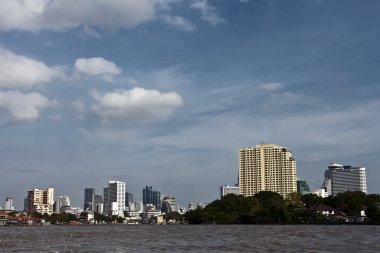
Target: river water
x=191, y=238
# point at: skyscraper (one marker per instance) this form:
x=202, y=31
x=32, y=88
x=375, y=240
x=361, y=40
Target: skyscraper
x=89, y=199
x=302, y=187
x=151, y=196
x=340, y=178
x=40, y=201
x=114, y=198
x=98, y=199
x=128, y=198
x=266, y=167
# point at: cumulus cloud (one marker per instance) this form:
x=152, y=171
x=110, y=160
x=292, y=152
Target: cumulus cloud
x=136, y=104
x=208, y=12
x=23, y=106
x=97, y=66
x=35, y=15
x=179, y=22
x=20, y=71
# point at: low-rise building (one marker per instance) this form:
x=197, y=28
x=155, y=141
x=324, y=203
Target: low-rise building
x=226, y=189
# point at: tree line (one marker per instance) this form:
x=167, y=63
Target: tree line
x=269, y=207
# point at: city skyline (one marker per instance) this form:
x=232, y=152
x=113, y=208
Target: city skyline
x=147, y=198
x=164, y=92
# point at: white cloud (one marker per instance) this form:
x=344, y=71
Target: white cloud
x=136, y=104
x=179, y=22
x=60, y=15
x=23, y=106
x=208, y=12
x=268, y=87
x=97, y=66
x=20, y=71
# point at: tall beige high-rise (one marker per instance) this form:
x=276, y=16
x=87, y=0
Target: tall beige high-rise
x=40, y=201
x=266, y=167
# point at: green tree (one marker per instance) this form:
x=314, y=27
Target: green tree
x=272, y=209
x=173, y=216
x=311, y=200
x=350, y=202
x=194, y=216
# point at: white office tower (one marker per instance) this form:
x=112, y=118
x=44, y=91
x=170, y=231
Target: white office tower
x=169, y=204
x=340, y=178
x=63, y=201
x=9, y=204
x=114, y=198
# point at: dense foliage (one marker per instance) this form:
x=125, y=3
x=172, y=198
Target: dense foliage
x=269, y=207
x=56, y=217
x=176, y=216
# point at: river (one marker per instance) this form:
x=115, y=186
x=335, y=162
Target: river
x=191, y=238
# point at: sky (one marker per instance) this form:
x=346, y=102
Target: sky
x=165, y=92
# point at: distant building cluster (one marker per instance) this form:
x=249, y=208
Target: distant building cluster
x=115, y=201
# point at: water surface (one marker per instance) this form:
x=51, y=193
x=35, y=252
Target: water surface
x=191, y=238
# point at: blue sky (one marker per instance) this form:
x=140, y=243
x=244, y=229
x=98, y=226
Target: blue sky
x=164, y=92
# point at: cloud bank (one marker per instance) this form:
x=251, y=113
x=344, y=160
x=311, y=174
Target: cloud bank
x=59, y=15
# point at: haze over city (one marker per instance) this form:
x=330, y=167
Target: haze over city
x=165, y=92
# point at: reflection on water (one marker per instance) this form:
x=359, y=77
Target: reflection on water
x=191, y=238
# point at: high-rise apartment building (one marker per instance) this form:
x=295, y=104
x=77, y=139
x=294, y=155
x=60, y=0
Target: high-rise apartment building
x=266, y=167
x=151, y=196
x=40, y=201
x=89, y=199
x=340, y=178
x=114, y=198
